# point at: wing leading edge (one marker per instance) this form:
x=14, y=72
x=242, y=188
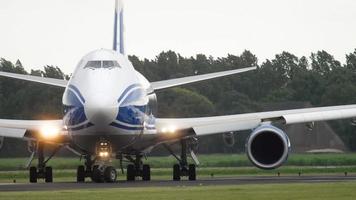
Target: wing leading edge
x=223, y=124
x=192, y=79
x=37, y=79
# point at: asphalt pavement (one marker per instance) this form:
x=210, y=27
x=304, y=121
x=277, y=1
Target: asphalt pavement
x=168, y=183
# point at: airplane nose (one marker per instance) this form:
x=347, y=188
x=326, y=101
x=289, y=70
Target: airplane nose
x=101, y=110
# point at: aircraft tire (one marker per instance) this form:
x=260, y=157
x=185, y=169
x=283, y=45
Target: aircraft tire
x=48, y=175
x=146, y=173
x=110, y=174
x=176, y=172
x=97, y=176
x=33, y=175
x=130, y=173
x=80, y=174
x=192, y=173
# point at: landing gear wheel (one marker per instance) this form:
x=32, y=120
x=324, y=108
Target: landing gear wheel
x=80, y=174
x=130, y=174
x=176, y=172
x=97, y=177
x=192, y=173
x=146, y=173
x=48, y=175
x=110, y=174
x=33, y=175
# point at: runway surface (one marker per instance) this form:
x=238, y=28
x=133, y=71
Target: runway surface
x=167, y=183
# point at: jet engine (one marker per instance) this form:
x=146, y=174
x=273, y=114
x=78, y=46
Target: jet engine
x=268, y=147
x=229, y=139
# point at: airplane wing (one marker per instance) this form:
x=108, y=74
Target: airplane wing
x=191, y=79
x=37, y=79
x=41, y=130
x=223, y=124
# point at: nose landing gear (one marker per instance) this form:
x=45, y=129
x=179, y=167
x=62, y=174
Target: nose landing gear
x=98, y=174
x=98, y=169
x=102, y=174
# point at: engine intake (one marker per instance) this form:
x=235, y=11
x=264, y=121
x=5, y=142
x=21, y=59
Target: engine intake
x=268, y=147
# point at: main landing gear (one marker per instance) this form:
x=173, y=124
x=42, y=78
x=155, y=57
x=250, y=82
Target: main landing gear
x=41, y=171
x=183, y=168
x=137, y=169
x=98, y=169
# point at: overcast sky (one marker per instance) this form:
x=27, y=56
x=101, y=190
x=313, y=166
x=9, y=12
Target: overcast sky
x=60, y=32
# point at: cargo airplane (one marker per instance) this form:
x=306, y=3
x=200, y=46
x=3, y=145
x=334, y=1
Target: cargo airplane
x=109, y=113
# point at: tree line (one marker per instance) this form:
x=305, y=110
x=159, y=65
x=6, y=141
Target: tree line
x=319, y=79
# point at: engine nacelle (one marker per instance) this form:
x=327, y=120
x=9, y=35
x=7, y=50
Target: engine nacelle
x=268, y=147
x=229, y=139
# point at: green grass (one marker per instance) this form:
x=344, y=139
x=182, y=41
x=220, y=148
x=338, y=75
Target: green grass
x=216, y=165
x=325, y=191
x=215, y=160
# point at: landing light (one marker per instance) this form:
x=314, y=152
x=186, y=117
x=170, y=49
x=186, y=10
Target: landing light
x=104, y=154
x=49, y=132
x=170, y=129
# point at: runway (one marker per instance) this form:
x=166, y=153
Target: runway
x=168, y=183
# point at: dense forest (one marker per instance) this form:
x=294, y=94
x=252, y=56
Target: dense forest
x=318, y=79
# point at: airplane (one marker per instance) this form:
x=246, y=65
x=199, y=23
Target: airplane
x=109, y=113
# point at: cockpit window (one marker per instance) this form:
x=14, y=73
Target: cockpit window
x=106, y=64
x=110, y=64
x=94, y=64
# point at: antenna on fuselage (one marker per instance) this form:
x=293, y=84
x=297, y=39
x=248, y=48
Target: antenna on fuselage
x=119, y=27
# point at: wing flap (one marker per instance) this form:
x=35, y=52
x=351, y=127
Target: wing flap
x=191, y=79
x=319, y=116
x=37, y=79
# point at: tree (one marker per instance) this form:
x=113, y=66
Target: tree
x=286, y=77
x=180, y=102
x=351, y=61
x=323, y=62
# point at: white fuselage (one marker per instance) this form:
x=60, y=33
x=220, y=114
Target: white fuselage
x=107, y=97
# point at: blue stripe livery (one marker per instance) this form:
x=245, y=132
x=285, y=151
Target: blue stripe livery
x=122, y=49
x=74, y=115
x=127, y=90
x=81, y=127
x=77, y=91
x=133, y=115
x=119, y=28
x=74, y=110
x=130, y=128
x=115, y=32
x=129, y=114
x=73, y=99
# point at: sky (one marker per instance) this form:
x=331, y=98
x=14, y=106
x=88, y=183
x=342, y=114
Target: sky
x=61, y=32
